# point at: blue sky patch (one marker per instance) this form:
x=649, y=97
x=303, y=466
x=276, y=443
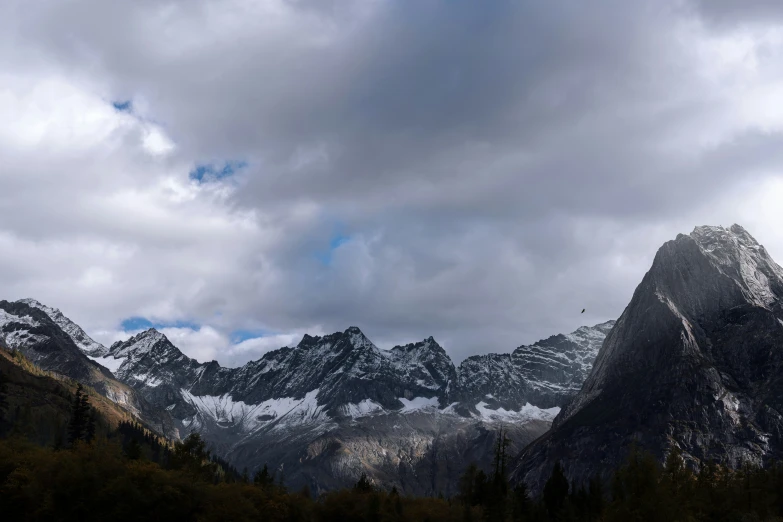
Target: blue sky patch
x=132, y=324
x=237, y=336
x=206, y=172
x=337, y=239
x=123, y=106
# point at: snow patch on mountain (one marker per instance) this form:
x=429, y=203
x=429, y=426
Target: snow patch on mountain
x=419, y=404
x=16, y=337
x=108, y=362
x=285, y=411
x=362, y=409
x=6, y=318
x=527, y=413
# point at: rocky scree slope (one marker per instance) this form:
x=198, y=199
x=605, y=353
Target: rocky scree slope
x=695, y=360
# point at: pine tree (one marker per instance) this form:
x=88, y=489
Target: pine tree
x=3, y=404
x=467, y=485
x=555, y=491
x=89, y=431
x=133, y=451
x=193, y=456
x=363, y=485
x=595, y=499
x=262, y=478
x=79, y=421
x=521, y=503
x=498, y=486
x=499, y=478
x=3, y=392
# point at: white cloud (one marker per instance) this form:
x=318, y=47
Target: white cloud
x=203, y=344
x=487, y=191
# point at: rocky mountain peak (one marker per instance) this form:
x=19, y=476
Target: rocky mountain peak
x=79, y=337
x=353, y=337
x=694, y=360
x=427, y=346
x=29, y=301
x=358, y=340
x=739, y=256
x=147, y=342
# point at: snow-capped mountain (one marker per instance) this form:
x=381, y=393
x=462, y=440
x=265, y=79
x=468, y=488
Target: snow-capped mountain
x=547, y=373
x=695, y=360
x=335, y=406
x=351, y=377
x=27, y=326
x=74, y=331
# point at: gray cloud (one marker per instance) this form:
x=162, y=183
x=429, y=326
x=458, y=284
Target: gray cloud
x=495, y=167
x=730, y=13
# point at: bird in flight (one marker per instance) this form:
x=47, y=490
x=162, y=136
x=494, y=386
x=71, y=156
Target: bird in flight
x=583, y=310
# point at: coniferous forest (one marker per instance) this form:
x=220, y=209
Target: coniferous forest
x=62, y=459
x=131, y=476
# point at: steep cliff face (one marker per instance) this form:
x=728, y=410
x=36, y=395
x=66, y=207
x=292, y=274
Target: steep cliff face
x=695, y=360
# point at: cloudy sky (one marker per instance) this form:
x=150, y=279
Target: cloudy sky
x=239, y=172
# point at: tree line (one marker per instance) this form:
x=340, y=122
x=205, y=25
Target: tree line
x=96, y=472
x=132, y=475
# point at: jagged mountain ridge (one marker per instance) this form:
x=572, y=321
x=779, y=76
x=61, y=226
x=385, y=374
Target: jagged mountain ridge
x=74, y=331
x=345, y=368
x=333, y=406
x=351, y=375
x=28, y=327
x=547, y=373
x=695, y=360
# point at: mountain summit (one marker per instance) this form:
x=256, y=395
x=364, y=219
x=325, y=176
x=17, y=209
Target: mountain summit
x=694, y=361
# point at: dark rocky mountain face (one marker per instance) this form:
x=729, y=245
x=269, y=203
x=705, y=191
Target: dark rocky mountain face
x=26, y=326
x=336, y=406
x=695, y=360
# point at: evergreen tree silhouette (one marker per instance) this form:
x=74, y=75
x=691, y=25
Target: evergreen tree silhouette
x=80, y=407
x=555, y=491
x=263, y=478
x=89, y=430
x=363, y=485
x=133, y=451
x=3, y=403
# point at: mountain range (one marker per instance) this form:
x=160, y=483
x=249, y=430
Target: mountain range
x=331, y=407
x=694, y=362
